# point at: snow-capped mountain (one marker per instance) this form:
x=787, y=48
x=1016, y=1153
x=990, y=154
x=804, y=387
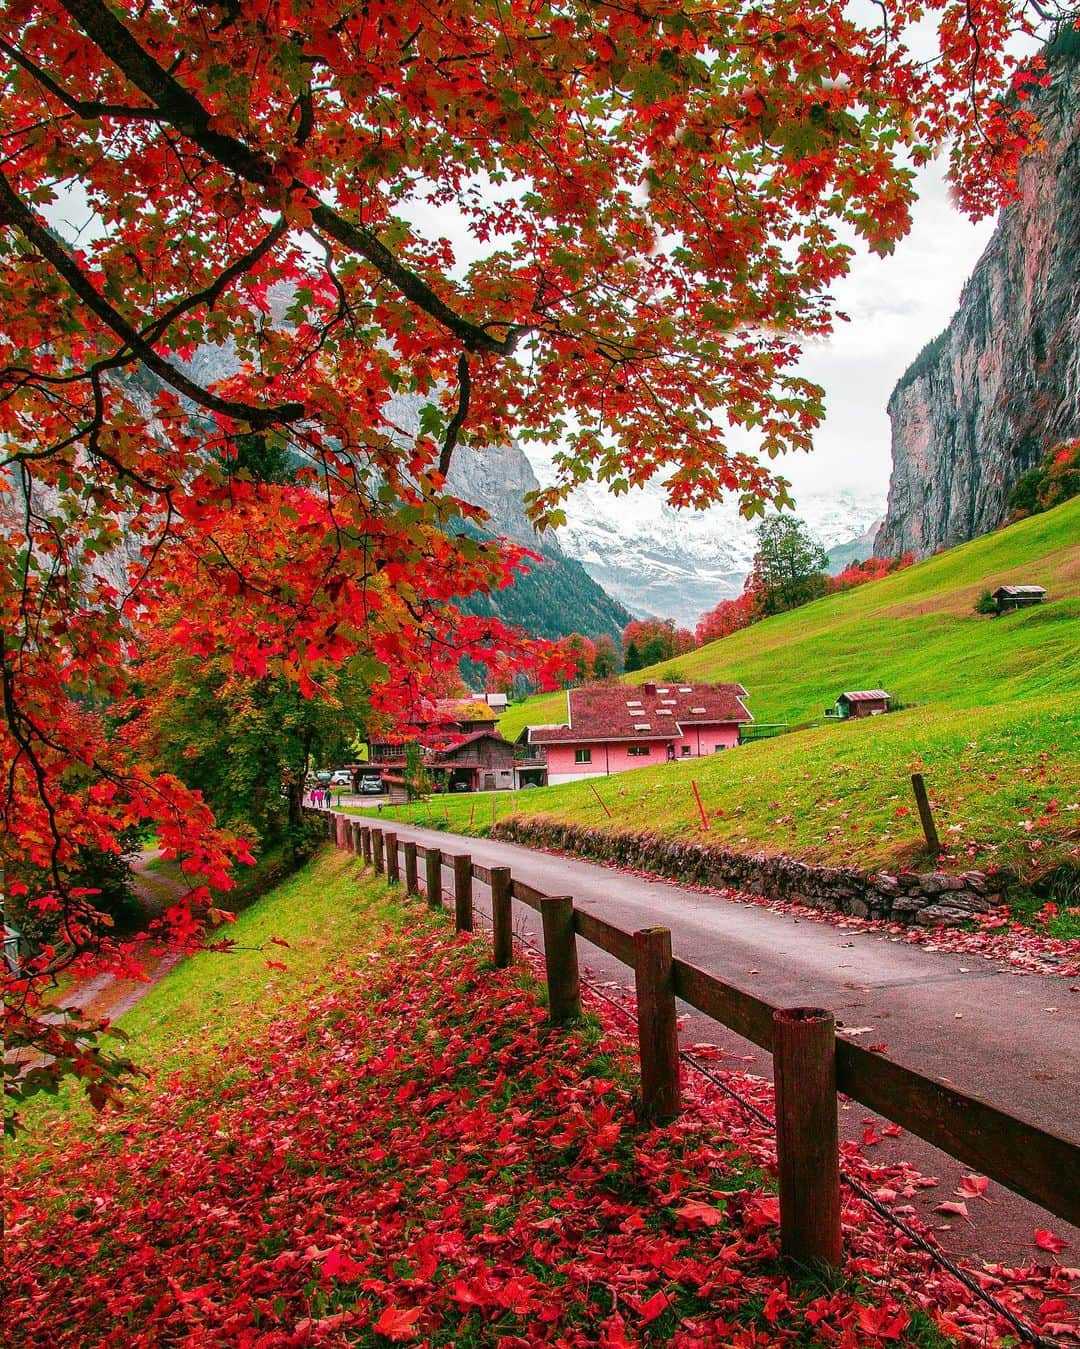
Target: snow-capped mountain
x=679, y=564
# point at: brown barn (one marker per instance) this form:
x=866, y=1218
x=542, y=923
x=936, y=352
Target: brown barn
x=860, y=703
x=1008, y=598
x=482, y=762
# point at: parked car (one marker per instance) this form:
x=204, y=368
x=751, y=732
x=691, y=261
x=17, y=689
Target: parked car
x=371, y=785
x=341, y=778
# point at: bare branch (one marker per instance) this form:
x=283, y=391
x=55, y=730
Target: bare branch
x=14, y=212
x=458, y=419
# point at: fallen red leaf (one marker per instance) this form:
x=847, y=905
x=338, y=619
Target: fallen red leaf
x=398, y=1323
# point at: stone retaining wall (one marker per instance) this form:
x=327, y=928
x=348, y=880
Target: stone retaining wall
x=932, y=899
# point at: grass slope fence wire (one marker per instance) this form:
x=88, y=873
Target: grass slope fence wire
x=813, y=1064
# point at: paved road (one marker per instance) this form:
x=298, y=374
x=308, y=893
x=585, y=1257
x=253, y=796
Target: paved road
x=1010, y=1038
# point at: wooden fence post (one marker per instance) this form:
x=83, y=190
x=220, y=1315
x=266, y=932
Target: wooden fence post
x=926, y=815
x=463, y=910
x=658, y=1032
x=502, y=917
x=354, y=838
x=433, y=873
x=807, y=1136
x=365, y=839
x=411, y=887
x=392, y=871
x=560, y=958
x=377, y=842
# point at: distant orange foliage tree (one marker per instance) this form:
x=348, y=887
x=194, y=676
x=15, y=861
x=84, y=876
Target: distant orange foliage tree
x=649, y=640
x=872, y=569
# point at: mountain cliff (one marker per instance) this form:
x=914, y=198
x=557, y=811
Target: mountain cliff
x=985, y=400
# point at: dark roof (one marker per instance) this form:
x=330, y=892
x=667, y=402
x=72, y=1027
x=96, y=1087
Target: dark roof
x=865, y=696
x=1020, y=590
x=631, y=712
x=466, y=740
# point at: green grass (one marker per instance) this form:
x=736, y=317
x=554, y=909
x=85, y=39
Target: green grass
x=841, y=794
x=993, y=722
x=325, y=912
x=913, y=633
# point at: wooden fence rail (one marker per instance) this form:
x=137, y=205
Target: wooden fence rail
x=811, y=1063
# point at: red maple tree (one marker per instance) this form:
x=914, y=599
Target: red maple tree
x=223, y=223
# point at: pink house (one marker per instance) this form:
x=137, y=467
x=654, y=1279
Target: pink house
x=611, y=728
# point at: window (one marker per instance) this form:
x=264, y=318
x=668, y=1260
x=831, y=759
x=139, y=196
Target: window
x=686, y=751
x=583, y=756
x=718, y=748
x=637, y=751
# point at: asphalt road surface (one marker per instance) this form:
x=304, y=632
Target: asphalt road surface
x=1009, y=1038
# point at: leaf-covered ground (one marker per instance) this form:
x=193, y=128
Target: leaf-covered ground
x=397, y=1148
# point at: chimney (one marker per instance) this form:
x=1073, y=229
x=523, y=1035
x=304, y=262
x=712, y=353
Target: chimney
x=649, y=690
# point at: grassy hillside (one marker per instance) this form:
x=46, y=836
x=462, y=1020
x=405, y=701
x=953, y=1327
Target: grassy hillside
x=1005, y=790
x=992, y=719
x=914, y=633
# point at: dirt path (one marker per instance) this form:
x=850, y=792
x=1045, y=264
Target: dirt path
x=106, y=996
x=1008, y=1037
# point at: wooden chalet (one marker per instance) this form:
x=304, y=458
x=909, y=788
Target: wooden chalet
x=1008, y=598
x=462, y=751
x=860, y=703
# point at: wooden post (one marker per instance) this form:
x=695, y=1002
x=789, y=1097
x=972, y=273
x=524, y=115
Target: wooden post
x=807, y=1139
x=929, y=828
x=392, y=871
x=411, y=887
x=701, y=808
x=560, y=958
x=365, y=839
x=433, y=873
x=354, y=838
x=600, y=799
x=658, y=1032
x=463, y=911
x=502, y=917
x=377, y=844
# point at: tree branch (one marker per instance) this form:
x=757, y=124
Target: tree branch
x=181, y=109
x=14, y=212
x=458, y=419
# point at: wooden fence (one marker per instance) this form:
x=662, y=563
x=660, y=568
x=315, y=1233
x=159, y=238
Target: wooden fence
x=811, y=1065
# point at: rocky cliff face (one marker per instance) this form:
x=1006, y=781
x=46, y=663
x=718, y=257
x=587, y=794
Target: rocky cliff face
x=988, y=397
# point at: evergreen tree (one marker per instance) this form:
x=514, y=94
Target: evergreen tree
x=790, y=567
